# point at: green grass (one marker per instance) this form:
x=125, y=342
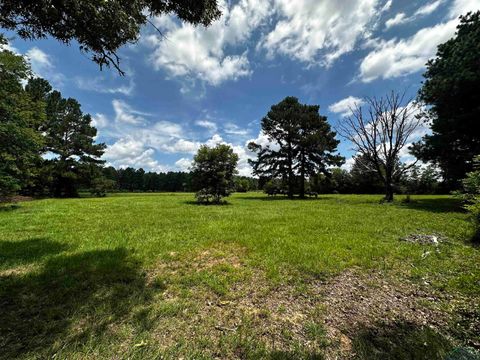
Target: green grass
x=106, y=277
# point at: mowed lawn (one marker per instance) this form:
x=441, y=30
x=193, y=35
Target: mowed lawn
x=156, y=276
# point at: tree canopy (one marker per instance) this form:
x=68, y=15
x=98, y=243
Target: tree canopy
x=20, y=115
x=452, y=91
x=213, y=172
x=302, y=144
x=100, y=27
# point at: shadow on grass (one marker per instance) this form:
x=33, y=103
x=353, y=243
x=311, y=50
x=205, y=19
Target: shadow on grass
x=438, y=205
x=14, y=253
x=282, y=198
x=9, y=207
x=193, y=202
x=69, y=301
x=399, y=341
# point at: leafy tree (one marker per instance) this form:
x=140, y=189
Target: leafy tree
x=302, y=144
x=452, y=90
x=380, y=133
x=471, y=195
x=20, y=114
x=364, y=179
x=69, y=137
x=100, y=27
x=213, y=172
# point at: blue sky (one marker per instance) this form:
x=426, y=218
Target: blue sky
x=197, y=85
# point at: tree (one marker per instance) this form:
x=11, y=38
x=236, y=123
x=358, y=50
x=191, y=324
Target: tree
x=69, y=137
x=20, y=114
x=302, y=144
x=100, y=27
x=213, y=172
x=379, y=134
x=452, y=91
x=364, y=179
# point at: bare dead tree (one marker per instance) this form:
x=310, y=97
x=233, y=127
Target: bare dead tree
x=379, y=131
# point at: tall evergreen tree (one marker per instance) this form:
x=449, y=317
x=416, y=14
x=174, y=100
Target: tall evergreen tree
x=20, y=114
x=302, y=144
x=69, y=137
x=452, y=91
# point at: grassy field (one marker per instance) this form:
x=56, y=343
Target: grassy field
x=156, y=276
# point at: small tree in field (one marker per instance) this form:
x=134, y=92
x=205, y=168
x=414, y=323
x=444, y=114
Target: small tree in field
x=213, y=173
x=380, y=133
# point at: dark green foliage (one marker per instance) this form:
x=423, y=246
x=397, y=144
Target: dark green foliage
x=213, y=173
x=69, y=136
x=452, y=91
x=245, y=183
x=130, y=179
x=471, y=195
x=20, y=114
x=100, y=27
x=304, y=144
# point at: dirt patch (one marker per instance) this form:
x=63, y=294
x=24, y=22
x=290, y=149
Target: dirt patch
x=314, y=317
x=424, y=239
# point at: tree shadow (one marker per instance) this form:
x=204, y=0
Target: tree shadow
x=196, y=203
x=8, y=207
x=437, y=205
x=72, y=299
x=400, y=341
x=282, y=198
x=15, y=253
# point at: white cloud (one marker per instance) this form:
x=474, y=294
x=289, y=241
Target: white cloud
x=124, y=113
x=348, y=164
x=183, y=164
x=394, y=58
x=428, y=8
x=210, y=125
x=319, y=31
x=461, y=7
x=181, y=146
x=233, y=129
x=100, y=120
x=424, y=10
x=396, y=20
x=201, y=53
x=39, y=59
x=43, y=66
x=100, y=84
x=344, y=106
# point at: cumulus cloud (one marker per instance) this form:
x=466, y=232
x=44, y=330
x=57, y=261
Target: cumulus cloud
x=183, y=164
x=201, y=53
x=400, y=57
x=344, y=106
x=394, y=58
x=315, y=31
x=128, y=152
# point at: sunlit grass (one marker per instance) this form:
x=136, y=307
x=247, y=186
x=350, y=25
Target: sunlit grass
x=86, y=262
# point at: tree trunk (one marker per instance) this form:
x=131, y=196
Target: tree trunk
x=290, y=172
x=388, y=190
x=302, y=178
